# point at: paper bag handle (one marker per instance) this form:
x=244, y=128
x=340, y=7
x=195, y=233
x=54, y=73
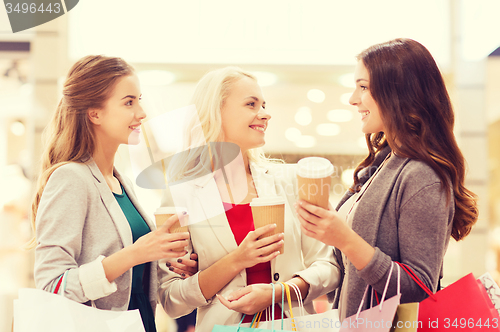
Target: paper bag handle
x=417, y=280
x=383, y=295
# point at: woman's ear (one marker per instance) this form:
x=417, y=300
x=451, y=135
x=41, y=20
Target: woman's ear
x=94, y=116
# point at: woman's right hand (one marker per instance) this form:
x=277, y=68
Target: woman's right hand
x=159, y=244
x=253, y=251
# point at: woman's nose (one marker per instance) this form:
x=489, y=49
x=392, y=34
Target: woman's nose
x=140, y=113
x=263, y=115
x=353, y=100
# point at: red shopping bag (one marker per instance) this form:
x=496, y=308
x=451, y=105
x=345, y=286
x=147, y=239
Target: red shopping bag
x=462, y=306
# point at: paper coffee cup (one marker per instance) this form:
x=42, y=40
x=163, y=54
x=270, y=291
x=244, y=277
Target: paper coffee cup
x=163, y=213
x=269, y=210
x=314, y=176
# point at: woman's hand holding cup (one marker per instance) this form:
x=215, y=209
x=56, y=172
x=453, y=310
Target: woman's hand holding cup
x=161, y=243
x=253, y=250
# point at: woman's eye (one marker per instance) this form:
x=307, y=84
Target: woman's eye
x=129, y=103
x=252, y=103
x=363, y=87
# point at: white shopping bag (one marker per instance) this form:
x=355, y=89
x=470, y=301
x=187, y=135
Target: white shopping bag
x=327, y=321
x=324, y=322
x=492, y=289
x=38, y=310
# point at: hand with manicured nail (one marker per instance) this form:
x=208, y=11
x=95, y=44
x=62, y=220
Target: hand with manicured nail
x=184, y=267
x=160, y=243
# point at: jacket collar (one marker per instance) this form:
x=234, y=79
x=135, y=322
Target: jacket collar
x=207, y=188
x=110, y=202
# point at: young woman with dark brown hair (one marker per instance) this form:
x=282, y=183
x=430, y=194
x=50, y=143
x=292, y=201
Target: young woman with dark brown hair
x=87, y=220
x=408, y=210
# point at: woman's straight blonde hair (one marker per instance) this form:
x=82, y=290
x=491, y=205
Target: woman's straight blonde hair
x=209, y=97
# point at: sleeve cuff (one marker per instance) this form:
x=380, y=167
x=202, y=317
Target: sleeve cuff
x=376, y=269
x=94, y=282
x=195, y=291
x=317, y=285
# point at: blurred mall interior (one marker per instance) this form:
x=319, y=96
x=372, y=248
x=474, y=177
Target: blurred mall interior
x=303, y=55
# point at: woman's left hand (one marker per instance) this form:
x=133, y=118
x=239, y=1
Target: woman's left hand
x=184, y=267
x=320, y=224
x=249, y=300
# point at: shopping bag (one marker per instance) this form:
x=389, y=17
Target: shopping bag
x=38, y=310
x=240, y=328
x=300, y=321
x=461, y=305
x=378, y=318
x=492, y=289
x=406, y=318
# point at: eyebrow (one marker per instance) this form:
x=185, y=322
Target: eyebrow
x=129, y=96
x=361, y=79
x=256, y=99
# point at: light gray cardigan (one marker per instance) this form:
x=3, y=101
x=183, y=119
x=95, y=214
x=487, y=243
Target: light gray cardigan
x=78, y=223
x=406, y=216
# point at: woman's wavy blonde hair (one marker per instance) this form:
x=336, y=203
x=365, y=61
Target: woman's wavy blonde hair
x=69, y=137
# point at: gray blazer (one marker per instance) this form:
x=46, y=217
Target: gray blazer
x=79, y=222
x=406, y=216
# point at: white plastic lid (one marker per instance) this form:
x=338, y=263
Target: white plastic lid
x=314, y=168
x=267, y=201
x=169, y=210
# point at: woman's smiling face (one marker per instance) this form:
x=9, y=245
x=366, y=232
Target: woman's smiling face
x=363, y=100
x=244, y=118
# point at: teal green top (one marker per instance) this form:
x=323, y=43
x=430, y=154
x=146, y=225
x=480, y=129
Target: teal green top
x=138, y=298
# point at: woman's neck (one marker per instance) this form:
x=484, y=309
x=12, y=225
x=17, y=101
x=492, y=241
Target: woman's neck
x=246, y=162
x=104, y=157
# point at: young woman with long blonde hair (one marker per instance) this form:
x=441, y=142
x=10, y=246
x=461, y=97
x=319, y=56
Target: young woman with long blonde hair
x=236, y=267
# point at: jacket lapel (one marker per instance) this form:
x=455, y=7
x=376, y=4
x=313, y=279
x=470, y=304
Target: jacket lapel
x=207, y=196
x=209, y=199
x=131, y=195
x=111, y=205
x=264, y=182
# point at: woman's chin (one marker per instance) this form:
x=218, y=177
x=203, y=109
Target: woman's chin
x=133, y=141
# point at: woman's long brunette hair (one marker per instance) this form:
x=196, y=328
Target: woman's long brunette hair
x=415, y=108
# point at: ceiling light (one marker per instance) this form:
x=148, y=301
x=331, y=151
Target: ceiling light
x=328, y=129
x=17, y=128
x=292, y=134
x=316, y=95
x=303, y=116
x=339, y=115
x=265, y=78
x=306, y=141
x=347, y=80
x=344, y=98
x=348, y=177
x=156, y=77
